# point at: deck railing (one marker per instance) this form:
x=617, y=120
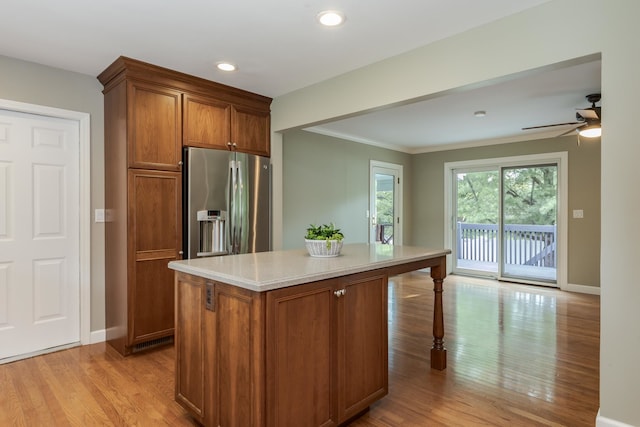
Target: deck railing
x=524, y=244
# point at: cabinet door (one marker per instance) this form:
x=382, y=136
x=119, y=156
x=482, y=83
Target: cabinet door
x=154, y=126
x=206, y=123
x=237, y=364
x=189, y=343
x=362, y=342
x=156, y=238
x=251, y=130
x=300, y=355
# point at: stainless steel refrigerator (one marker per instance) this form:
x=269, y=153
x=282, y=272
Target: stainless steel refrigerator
x=226, y=203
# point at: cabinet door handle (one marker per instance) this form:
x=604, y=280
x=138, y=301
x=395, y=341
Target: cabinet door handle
x=339, y=292
x=180, y=163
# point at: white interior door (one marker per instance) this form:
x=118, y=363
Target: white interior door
x=39, y=233
x=385, y=212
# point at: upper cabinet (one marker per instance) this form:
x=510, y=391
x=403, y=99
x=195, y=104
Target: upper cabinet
x=211, y=123
x=249, y=129
x=207, y=122
x=167, y=110
x=154, y=113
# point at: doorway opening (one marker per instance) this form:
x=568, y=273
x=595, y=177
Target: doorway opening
x=385, y=212
x=506, y=218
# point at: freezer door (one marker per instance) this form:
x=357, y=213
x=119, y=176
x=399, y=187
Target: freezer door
x=205, y=181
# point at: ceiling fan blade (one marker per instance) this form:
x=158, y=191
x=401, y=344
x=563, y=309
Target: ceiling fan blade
x=571, y=130
x=548, y=126
x=589, y=114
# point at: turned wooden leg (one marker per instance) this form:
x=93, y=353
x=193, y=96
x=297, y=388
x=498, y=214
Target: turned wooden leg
x=438, y=352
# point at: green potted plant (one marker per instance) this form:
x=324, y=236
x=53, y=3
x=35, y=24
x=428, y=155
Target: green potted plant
x=323, y=240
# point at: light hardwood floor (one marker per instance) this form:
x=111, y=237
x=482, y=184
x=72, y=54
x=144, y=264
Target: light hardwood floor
x=517, y=356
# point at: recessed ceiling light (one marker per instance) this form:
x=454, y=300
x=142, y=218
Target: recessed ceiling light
x=226, y=66
x=330, y=18
x=480, y=113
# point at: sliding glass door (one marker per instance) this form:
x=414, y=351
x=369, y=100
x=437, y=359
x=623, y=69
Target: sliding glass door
x=477, y=214
x=505, y=220
x=529, y=222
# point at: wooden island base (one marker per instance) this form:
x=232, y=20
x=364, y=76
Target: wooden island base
x=313, y=354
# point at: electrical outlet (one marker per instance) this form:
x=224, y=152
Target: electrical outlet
x=578, y=213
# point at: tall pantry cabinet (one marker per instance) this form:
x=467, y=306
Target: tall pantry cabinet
x=150, y=114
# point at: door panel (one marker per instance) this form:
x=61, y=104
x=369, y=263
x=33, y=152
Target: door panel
x=155, y=134
x=362, y=343
x=155, y=218
x=206, y=123
x=477, y=217
x=529, y=220
x=385, y=197
x=250, y=130
x=39, y=233
x=301, y=340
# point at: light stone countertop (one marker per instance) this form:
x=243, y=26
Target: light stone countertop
x=265, y=271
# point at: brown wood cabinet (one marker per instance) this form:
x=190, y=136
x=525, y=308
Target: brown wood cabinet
x=154, y=114
x=206, y=122
x=190, y=341
x=301, y=355
x=149, y=112
x=312, y=354
x=362, y=342
x=155, y=221
x=219, y=352
x=249, y=129
x=211, y=123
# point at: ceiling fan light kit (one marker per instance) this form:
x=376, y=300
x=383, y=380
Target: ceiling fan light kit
x=591, y=131
x=588, y=120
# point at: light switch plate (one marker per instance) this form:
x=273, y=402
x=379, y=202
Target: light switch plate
x=578, y=213
x=99, y=215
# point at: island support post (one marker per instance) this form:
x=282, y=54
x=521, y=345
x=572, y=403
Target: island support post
x=438, y=352
x=438, y=266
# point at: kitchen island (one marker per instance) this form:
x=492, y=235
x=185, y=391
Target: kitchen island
x=283, y=339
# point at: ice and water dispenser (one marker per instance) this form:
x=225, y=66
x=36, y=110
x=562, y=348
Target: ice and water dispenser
x=213, y=236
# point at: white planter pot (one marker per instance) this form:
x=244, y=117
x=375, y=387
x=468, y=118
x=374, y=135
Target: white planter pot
x=323, y=248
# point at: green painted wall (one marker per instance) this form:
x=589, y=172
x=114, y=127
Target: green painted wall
x=326, y=179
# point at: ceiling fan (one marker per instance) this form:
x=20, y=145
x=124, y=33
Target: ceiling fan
x=587, y=121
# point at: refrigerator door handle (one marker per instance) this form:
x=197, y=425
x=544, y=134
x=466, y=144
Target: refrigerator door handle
x=240, y=197
x=231, y=198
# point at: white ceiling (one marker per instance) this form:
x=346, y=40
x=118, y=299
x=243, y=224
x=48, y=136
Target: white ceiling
x=279, y=47
x=447, y=121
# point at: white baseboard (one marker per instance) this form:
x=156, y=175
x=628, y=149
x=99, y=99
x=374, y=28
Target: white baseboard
x=583, y=289
x=608, y=422
x=98, y=336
